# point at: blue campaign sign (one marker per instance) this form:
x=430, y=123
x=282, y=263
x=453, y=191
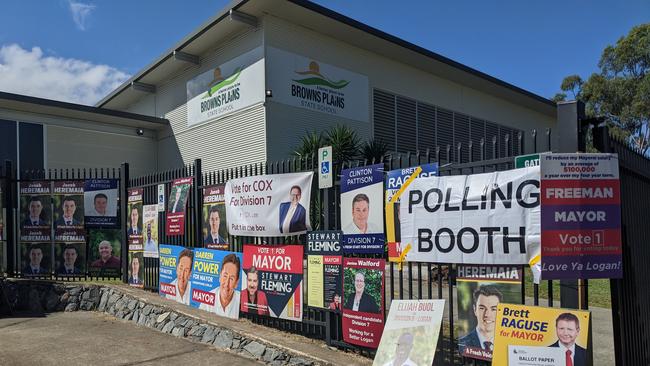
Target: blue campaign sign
x=395, y=178
x=100, y=202
x=175, y=269
x=217, y=282
x=362, y=209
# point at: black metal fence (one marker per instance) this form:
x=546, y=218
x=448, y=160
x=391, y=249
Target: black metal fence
x=414, y=281
x=11, y=244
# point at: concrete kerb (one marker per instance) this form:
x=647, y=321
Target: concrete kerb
x=150, y=310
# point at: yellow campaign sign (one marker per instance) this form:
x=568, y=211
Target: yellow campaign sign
x=315, y=282
x=390, y=216
x=546, y=334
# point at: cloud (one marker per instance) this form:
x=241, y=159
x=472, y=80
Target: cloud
x=80, y=13
x=30, y=72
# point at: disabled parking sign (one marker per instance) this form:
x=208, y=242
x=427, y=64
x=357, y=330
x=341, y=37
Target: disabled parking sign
x=325, y=164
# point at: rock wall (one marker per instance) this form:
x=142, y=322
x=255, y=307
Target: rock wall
x=47, y=296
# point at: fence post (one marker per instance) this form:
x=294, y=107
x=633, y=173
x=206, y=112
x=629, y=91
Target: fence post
x=9, y=224
x=198, y=204
x=124, y=197
x=571, y=139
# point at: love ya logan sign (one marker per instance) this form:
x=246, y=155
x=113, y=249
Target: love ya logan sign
x=490, y=218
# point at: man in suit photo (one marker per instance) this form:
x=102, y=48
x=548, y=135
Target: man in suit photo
x=68, y=266
x=214, y=221
x=134, y=224
x=100, y=202
x=567, y=329
x=176, y=205
x=68, y=208
x=360, y=214
x=361, y=301
x=484, y=304
x=134, y=277
x=35, y=210
x=35, y=258
x=292, y=214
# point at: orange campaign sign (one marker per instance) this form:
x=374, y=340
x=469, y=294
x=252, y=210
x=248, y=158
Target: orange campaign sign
x=536, y=336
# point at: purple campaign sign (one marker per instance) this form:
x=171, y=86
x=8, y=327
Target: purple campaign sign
x=602, y=266
x=575, y=217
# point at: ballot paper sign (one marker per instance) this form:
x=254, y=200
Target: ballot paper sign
x=535, y=356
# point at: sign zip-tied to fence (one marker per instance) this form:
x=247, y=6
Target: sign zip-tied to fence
x=490, y=218
x=390, y=219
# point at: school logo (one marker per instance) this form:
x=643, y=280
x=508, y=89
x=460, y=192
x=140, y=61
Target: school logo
x=314, y=77
x=219, y=82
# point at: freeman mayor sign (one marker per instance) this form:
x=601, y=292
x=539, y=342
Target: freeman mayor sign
x=311, y=84
x=489, y=218
x=231, y=86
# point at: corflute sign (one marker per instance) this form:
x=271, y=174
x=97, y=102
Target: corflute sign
x=307, y=83
x=490, y=218
x=231, y=86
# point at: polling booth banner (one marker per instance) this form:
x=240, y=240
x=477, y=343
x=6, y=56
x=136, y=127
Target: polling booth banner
x=489, y=218
x=175, y=224
x=269, y=205
x=395, y=181
x=217, y=282
x=411, y=333
x=363, y=301
x=324, y=269
x=150, y=220
x=100, y=203
x=68, y=200
x=362, y=209
x=175, y=269
x=480, y=289
x=134, y=226
x=581, y=216
x=539, y=336
x=214, y=218
x=273, y=281
x=36, y=211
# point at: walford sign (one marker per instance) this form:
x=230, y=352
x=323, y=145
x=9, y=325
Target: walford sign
x=307, y=83
x=233, y=85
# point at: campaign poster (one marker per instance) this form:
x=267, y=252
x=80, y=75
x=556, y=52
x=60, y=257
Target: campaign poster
x=70, y=259
x=175, y=270
x=36, y=259
x=363, y=301
x=362, y=209
x=136, y=269
x=214, y=218
x=269, y=205
x=543, y=330
x=581, y=216
x=411, y=333
x=395, y=180
x=100, y=203
x=324, y=269
x=217, y=282
x=175, y=225
x=68, y=199
x=488, y=218
x=35, y=212
x=480, y=289
x=104, y=252
x=273, y=281
x=134, y=226
x=150, y=222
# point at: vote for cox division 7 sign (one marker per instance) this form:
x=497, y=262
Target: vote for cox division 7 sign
x=490, y=218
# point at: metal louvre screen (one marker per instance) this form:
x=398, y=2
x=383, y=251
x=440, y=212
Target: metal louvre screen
x=384, y=117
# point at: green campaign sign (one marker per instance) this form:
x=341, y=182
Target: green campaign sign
x=524, y=161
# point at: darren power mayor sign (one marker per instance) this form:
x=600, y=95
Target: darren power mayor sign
x=310, y=84
x=233, y=85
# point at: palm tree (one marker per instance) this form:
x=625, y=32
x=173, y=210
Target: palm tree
x=344, y=141
x=374, y=150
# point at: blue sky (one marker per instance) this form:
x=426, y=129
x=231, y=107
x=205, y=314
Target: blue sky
x=80, y=50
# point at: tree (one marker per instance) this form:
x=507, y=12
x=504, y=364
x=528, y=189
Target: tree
x=620, y=92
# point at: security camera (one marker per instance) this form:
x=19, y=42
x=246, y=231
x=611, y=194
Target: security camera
x=139, y=131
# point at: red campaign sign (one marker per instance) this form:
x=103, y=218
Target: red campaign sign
x=363, y=301
x=581, y=192
x=577, y=242
x=175, y=224
x=279, y=259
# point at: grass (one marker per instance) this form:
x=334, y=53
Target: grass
x=598, y=291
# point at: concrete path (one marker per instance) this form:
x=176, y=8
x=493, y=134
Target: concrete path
x=90, y=338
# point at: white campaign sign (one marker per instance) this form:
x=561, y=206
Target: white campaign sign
x=303, y=82
x=231, y=86
x=491, y=218
x=269, y=205
x=535, y=356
